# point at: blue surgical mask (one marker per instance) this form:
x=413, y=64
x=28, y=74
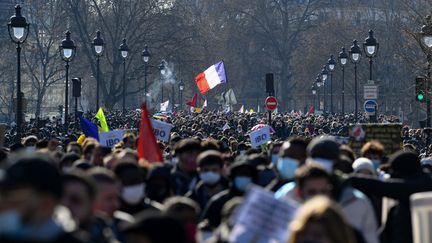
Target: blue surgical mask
x=376, y=163
x=274, y=159
x=10, y=223
x=210, y=177
x=242, y=182
x=287, y=167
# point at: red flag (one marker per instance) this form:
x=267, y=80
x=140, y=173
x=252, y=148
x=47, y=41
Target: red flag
x=193, y=102
x=312, y=109
x=147, y=147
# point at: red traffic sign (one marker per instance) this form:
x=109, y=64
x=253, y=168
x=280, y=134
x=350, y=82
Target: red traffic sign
x=271, y=103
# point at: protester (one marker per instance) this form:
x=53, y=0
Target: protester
x=184, y=175
x=321, y=220
x=30, y=193
x=212, y=181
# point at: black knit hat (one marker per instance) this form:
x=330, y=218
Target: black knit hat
x=325, y=147
x=35, y=171
x=404, y=164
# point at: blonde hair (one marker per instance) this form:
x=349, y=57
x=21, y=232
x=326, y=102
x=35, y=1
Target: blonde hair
x=328, y=215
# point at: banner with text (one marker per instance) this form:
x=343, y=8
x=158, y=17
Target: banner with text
x=111, y=138
x=260, y=137
x=162, y=130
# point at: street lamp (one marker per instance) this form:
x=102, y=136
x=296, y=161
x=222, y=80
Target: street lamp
x=370, y=47
x=67, y=51
x=181, y=88
x=324, y=76
x=314, y=92
x=162, y=69
x=18, y=29
x=98, y=44
x=331, y=64
x=146, y=58
x=355, y=54
x=319, y=83
x=343, y=59
x=124, y=51
x=426, y=37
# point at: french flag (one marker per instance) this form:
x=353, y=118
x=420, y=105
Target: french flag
x=211, y=77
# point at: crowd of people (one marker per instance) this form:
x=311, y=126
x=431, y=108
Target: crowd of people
x=55, y=187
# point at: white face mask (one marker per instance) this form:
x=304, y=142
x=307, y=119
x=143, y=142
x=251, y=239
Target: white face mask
x=209, y=177
x=133, y=194
x=325, y=163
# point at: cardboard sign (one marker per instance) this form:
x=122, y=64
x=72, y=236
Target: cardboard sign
x=262, y=218
x=260, y=137
x=162, y=130
x=111, y=138
x=390, y=135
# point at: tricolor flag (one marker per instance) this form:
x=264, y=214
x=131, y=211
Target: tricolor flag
x=211, y=77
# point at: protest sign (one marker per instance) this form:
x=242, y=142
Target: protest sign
x=109, y=139
x=262, y=218
x=260, y=137
x=390, y=135
x=162, y=130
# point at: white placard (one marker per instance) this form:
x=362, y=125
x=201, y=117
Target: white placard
x=162, y=130
x=262, y=218
x=370, y=92
x=260, y=137
x=109, y=139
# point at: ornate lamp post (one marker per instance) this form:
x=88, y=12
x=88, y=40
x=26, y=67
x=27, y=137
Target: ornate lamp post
x=18, y=29
x=343, y=59
x=98, y=44
x=124, y=51
x=355, y=54
x=67, y=51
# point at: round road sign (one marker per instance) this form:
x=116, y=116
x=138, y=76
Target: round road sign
x=370, y=106
x=271, y=103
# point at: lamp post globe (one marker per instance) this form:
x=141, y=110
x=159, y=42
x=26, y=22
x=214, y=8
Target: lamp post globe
x=18, y=27
x=324, y=73
x=370, y=46
x=18, y=30
x=343, y=57
x=124, y=49
x=146, y=54
x=98, y=44
x=331, y=63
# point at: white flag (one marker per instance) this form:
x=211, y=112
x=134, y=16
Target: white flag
x=241, y=109
x=259, y=109
x=205, y=104
x=226, y=127
x=164, y=106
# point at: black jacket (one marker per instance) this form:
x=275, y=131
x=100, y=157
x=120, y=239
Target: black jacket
x=200, y=194
x=398, y=226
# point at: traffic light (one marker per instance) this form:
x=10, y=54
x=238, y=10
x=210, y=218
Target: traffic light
x=420, y=89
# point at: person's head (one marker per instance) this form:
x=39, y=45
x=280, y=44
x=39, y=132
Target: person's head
x=184, y=209
x=320, y=221
x=132, y=182
x=242, y=174
x=30, y=141
x=312, y=180
x=74, y=147
x=108, y=191
x=292, y=154
x=273, y=152
x=30, y=189
x=364, y=166
x=153, y=227
x=129, y=141
x=404, y=164
x=325, y=151
x=187, y=151
x=210, y=166
x=79, y=192
x=88, y=147
x=158, y=186
x=374, y=151
x=67, y=161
